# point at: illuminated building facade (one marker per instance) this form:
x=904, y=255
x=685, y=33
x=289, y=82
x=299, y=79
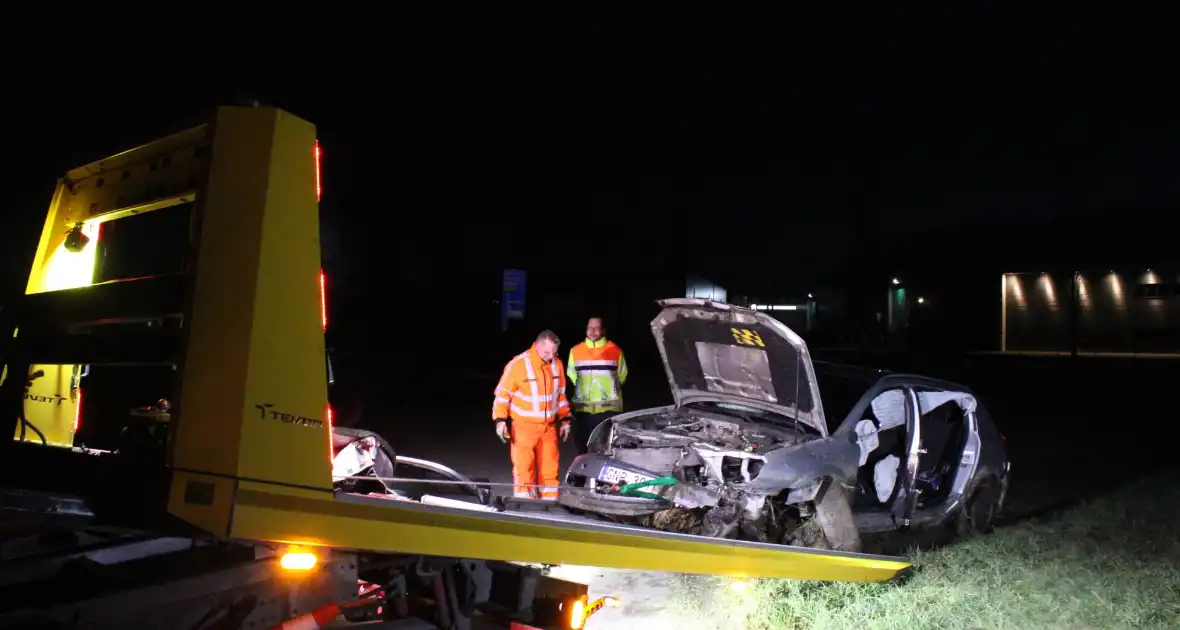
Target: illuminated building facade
x=1110, y=311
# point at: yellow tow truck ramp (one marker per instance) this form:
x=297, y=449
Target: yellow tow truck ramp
x=374, y=524
x=241, y=452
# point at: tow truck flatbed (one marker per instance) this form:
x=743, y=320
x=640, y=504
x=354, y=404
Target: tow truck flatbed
x=238, y=334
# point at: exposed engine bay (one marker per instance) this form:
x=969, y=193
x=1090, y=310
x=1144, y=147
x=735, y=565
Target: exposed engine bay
x=717, y=472
x=708, y=448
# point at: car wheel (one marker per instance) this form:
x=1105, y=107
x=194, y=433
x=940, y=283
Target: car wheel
x=979, y=511
x=833, y=512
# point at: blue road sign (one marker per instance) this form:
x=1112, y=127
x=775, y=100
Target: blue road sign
x=512, y=297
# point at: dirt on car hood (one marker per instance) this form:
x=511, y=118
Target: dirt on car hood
x=715, y=351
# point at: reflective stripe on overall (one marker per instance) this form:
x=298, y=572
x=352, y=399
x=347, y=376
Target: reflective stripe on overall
x=533, y=410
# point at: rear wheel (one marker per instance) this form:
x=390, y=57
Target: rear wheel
x=833, y=512
x=979, y=511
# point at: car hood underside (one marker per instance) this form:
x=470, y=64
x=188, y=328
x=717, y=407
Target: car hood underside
x=711, y=349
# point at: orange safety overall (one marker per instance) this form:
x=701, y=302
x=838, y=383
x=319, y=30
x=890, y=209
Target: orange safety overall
x=531, y=393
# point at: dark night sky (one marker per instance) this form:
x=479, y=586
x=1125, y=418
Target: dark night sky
x=484, y=136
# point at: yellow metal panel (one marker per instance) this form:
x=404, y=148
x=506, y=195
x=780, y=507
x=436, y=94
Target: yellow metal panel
x=287, y=364
x=203, y=500
x=147, y=178
x=50, y=403
x=285, y=517
x=111, y=188
x=161, y=169
x=51, y=406
x=253, y=396
x=143, y=208
x=51, y=237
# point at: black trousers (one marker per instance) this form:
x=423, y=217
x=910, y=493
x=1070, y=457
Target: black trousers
x=585, y=423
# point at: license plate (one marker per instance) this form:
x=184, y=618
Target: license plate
x=613, y=475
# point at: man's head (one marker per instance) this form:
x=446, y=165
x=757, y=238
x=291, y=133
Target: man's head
x=594, y=329
x=546, y=345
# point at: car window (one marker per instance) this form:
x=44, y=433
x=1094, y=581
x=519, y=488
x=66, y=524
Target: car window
x=839, y=395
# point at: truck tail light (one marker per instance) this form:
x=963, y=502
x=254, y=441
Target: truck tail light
x=577, y=619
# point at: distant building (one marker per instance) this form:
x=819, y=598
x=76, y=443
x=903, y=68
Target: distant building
x=949, y=281
x=1112, y=311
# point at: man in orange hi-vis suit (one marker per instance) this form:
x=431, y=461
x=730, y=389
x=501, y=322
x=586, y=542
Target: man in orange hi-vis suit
x=530, y=401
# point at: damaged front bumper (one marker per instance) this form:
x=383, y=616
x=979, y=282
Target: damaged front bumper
x=599, y=484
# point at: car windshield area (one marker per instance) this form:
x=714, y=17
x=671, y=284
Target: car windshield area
x=746, y=412
x=840, y=389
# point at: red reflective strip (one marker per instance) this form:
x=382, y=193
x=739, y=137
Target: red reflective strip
x=318, y=188
x=324, y=299
x=78, y=411
x=328, y=413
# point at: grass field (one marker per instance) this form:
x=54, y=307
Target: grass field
x=1112, y=562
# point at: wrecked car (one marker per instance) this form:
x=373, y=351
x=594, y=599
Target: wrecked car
x=745, y=451
x=365, y=464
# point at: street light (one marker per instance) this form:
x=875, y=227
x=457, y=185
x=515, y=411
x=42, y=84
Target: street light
x=921, y=300
x=896, y=281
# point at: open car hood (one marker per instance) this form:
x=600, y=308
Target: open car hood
x=715, y=351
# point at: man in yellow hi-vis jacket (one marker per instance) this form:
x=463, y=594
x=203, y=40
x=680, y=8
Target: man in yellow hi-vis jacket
x=597, y=370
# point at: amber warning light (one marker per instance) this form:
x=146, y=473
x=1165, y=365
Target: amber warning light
x=298, y=560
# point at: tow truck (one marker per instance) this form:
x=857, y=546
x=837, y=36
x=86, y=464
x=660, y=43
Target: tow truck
x=215, y=506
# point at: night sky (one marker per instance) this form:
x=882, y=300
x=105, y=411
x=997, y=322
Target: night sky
x=522, y=140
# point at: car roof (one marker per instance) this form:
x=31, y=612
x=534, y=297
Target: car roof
x=926, y=381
